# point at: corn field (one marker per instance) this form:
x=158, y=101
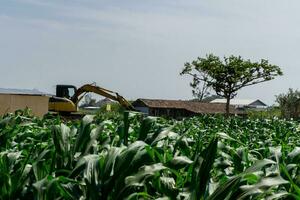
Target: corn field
x=138, y=157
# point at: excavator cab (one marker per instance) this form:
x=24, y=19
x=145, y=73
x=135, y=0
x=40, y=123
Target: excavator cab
x=62, y=102
x=65, y=91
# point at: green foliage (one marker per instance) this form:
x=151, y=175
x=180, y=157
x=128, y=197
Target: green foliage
x=289, y=104
x=230, y=75
x=115, y=107
x=268, y=113
x=138, y=157
x=116, y=113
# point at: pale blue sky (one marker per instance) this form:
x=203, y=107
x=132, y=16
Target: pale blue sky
x=139, y=47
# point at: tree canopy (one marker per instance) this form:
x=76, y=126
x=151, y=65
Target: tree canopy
x=289, y=103
x=229, y=75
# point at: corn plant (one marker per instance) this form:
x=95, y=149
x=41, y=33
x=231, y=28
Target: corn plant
x=139, y=157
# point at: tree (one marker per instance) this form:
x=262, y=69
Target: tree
x=200, y=89
x=210, y=98
x=289, y=103
x=230, y=75
x=207, y=98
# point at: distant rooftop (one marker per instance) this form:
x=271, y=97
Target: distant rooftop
x=240, y=102
x=22, y=91
x=192, y=106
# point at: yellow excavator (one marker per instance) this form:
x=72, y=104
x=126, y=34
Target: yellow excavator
x=68, y=96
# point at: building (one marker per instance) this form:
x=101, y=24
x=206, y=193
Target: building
x=243, y=103
x=178, y=108
x=15, y=99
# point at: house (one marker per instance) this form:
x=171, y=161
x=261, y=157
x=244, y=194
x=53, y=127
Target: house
x=243, y=103
x=15, y=99
x=179, y=108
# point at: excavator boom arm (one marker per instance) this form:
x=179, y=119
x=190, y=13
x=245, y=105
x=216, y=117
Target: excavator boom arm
x=103, y=92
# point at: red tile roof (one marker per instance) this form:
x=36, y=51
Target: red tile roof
x=192, y=106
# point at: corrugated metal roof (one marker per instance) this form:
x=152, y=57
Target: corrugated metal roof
x=238, y=102
x=192, y=106
x=22, y=91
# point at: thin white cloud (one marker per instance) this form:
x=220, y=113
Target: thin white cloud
x=43, y=3
x=35, y=23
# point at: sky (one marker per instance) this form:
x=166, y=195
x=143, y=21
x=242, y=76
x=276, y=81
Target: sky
x=138, y=48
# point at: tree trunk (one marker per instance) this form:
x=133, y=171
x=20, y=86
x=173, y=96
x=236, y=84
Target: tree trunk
x=227, y=107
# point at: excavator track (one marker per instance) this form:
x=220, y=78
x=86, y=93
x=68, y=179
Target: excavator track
x=67, y=116
x=72, y=116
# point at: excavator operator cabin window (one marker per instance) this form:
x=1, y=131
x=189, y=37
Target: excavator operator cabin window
x=71, y=92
